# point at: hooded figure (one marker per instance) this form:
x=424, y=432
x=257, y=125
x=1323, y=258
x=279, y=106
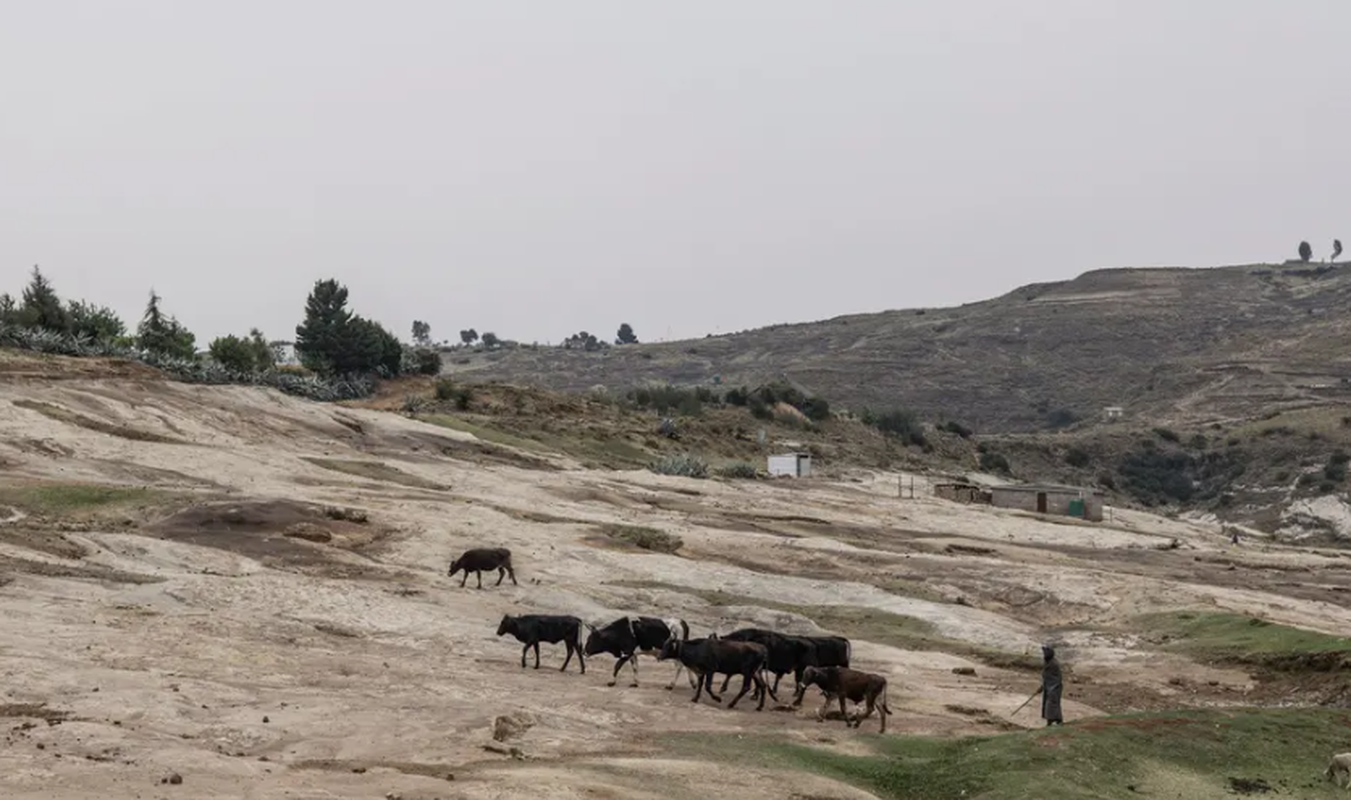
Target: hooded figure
x=1052, y=684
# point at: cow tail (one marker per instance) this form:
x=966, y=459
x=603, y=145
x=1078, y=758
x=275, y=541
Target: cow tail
x=684, y=631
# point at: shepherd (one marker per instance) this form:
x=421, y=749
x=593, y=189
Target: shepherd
x=1052, y=684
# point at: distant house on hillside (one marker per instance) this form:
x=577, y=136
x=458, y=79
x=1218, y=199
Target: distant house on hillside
x=1068, y=501
x=796, y=465
x=285, y=353
x=1113, y=412
x=961, y=492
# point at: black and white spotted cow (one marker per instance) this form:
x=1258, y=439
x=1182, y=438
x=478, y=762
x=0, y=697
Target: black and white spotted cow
x=626, y=637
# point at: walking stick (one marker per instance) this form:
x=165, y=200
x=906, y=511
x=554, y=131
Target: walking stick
x=1025, y=702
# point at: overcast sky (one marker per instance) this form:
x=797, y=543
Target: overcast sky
x=536, y=168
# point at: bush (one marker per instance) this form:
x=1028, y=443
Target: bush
x=816, y=409
x=953, y=426
x=462, y=397
x=684, y=465
x=994, y=462
x=1167, y=435
x=444, y=389
x=1077, y=457
x=736, y=396
x=738, y=470
x=900, y=424
x=644, y=537
x=1061, y=418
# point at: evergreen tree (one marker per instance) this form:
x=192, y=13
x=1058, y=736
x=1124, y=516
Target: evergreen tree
x=162, y=334
x=41, y=307
x=324, y=335
x=9, y=311
x=626, y=335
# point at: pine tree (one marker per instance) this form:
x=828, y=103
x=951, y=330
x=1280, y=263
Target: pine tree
x=324, y=335
x=162, y=334
x=41, y=307
x=626, y=335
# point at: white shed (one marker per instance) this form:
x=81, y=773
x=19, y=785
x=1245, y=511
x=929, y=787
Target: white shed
x=797, y=465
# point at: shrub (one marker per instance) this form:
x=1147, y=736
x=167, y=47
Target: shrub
x=1061, y=418
x=1077, y=457
x=683, y=465
x=642, y=536
x=738, y=470
x=953, y=426
x=901, y=424
x=738, y=397
x=1167, y=435
x=445, y=389
x=994, y=462
x=462, y=397
x=816, y=409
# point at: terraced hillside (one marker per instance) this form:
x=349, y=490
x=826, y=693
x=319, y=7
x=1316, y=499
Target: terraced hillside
x=227, y=592
x=1169, y=345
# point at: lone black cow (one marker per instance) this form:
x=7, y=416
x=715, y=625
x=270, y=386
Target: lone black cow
x=549, y=628
x=626, y=637
x=484, y=559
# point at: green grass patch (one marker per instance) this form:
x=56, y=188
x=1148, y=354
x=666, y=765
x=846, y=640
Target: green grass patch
x=483, y=432
x=58, y=499
x=374, y=470
x=867, y=624
x=1236, y=637
x=642, y=536
x=1193, y=754
x=607, y=452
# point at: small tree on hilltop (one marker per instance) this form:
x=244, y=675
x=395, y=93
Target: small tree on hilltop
x=422, y=333
x=9, y=310
x=323, y=338
x=233, y=353
x=98, y=323
x=1336, y=249
x=41, y=307
x=469, y=336
x=626, y=335
x=490, y=340
x=264, y=355
x=1305, y=252
x=162, y=335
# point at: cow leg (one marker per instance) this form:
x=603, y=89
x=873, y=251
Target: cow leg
x=619, y=663
x=725, y=681
x=524, y=650
x=764, y=690
x=868, y=712
x=679, y=668
x=843, y=713
x=706, y=679
x=633, y=663
x=501, y=573
x=771, y=689
x=465, y=578
x=566, y=658
x=512, y=573
x=821, y=712
x=536, y=655
x=747, y=678
x=778, y=676
x=478, y=573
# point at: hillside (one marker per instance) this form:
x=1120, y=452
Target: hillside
x=246, y=592
x=1184, y=346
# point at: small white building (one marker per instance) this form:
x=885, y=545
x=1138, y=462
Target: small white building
x=796, y=465
x=1113, y=412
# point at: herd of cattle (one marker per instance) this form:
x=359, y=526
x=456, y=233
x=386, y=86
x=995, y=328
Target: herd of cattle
x=752, y=653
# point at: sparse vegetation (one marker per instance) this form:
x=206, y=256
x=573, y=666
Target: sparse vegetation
x=738, y=470
x=684, y=465
x=898, y=423
x=1194, y=753
x=1077, y=457
x=953, y=426
x=644, y=537
x=57, y=499
x=1235, y=637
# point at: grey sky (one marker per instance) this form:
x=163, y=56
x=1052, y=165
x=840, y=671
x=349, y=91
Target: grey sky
x=536, y=168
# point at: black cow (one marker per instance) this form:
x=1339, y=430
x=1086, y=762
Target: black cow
x=786, y=653
x=706, y=657
x=823, y=651
x=550, y=628
x=626, y=637
x=484, y=559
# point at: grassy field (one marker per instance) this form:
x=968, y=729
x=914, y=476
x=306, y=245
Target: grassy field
x=1194, y=754
x=1223, y=636
x=58, y=499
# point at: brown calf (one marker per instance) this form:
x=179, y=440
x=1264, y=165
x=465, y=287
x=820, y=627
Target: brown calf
x=855, y=685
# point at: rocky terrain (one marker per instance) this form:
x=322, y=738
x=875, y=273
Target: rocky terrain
x=226, y=592
x=1170, y=346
